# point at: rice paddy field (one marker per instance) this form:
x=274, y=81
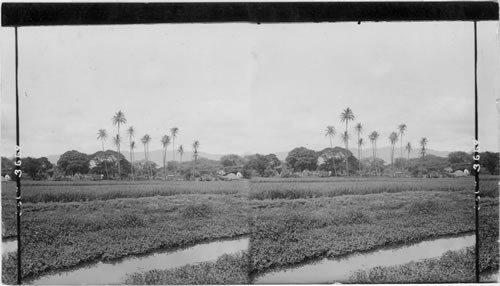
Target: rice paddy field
x=298, y=221
x=66, y=225
x=290, y=222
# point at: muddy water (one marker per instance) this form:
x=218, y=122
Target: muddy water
x=116, y=272
x=8, y=246
x=339, y=270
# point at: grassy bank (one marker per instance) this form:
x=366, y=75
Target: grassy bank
x=60, y=235
x=289, y=231
x=227, y=269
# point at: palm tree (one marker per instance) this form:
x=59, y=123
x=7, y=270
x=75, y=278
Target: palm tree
x=173, y=132
x=165, y=140
x=360, y=144
x=393, y=138
x=145, y=140
x=103, y=135
x=330, y=132
x=373, y=138
x=181, y=151
x=117, y=140
x=130, y=132
x=402, y=129
x=345, y=140
x=346, y=116
x=119, y=118
x=423, y=143
x=359, y=129
x=196, y=146
x=408, y=149
x=132, y=147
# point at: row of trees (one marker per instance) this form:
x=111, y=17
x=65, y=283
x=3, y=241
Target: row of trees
x=346, y=116
x=298, y=160
x=120, y=119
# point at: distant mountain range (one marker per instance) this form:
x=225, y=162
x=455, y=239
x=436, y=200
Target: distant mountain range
x=157, y=155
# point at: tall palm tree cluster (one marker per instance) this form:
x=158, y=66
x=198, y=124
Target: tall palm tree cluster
x=119, y=120
x=346, y=116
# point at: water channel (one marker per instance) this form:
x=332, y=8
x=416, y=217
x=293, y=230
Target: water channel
x=339, y=269
x=116, y=272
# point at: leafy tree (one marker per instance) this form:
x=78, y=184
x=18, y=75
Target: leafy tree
x=8, y=167
x=100, y=158
x=346, y=116
x=118, y=119
x=72, y=162
x=330, y=132
x=103, y=135
x=460, y=160
x=231, y=160
x=301, y=158
x=36, y=168
x=490, y=161
x=263, y=165
x=328, y=156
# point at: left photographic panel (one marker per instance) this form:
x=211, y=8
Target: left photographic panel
x=131, y=139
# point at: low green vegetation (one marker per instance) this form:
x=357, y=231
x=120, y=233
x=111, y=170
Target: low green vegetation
x=59, y=235
x=452, y=267
x=312, y=188
x=288, y=231
x=227, y=269
x=457, y=266
x=107, y=190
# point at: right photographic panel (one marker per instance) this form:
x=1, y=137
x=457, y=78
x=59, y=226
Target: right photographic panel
x=366, y=172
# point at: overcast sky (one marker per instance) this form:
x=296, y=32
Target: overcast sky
x=241, y=88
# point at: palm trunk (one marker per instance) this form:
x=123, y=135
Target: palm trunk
x=376, y=163
x=347, y=150
x=402, y=165
x=118, y=146
x=333, y=158
x=392, y=159
x=359, y=157
x=131, y=160
x=164, y=158
x=105, y=159
x=145, y=158
x=150, y=171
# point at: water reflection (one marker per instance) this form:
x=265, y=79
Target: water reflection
x=116, y=272
x=8, y=246
x=339, y=270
